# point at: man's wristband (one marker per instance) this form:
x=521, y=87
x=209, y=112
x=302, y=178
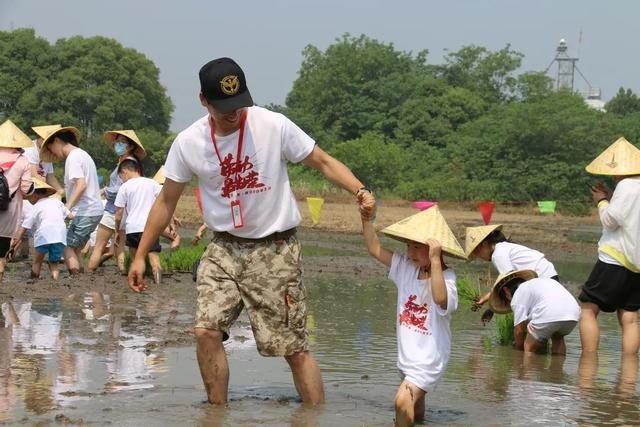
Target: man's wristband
x=361, y=189
x=604, y=199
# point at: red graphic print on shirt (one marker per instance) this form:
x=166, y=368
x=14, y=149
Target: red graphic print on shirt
x=414, y=314
x=238, y=175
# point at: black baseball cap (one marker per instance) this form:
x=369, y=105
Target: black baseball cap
x=224, y=86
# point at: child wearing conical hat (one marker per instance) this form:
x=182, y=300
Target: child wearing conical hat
x=488, y=243
x=46, y=223
x=542, y=308
x=427, y=298
x=614, y=282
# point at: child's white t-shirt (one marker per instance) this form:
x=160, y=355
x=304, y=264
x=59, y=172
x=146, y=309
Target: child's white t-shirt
x=509, y=256
x=46, y=222
x=79, y=164
x=423, y=328
x=27, y=208
x=543, y=300
x=137, y=196
x=33, y=154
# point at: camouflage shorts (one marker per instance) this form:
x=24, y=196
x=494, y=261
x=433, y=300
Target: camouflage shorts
x=264, y=277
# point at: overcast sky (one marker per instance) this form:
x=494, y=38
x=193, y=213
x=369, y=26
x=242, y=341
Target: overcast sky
x=267, y=37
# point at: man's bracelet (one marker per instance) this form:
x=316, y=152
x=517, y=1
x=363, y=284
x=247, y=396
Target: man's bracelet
x=601, y=200
x=361, y=189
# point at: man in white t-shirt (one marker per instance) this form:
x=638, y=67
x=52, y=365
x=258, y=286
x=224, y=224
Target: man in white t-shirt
x=38, y=167
x=134, y=201
x=542, y=309
x=81, y=187
x=239, y=154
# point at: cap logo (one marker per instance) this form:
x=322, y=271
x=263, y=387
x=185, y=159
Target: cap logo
x=230, y=85
x=613, y=163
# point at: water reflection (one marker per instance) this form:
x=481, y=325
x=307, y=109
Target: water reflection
x=58, y=355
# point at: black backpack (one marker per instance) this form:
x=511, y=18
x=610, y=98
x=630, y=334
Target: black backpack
x=5, y=196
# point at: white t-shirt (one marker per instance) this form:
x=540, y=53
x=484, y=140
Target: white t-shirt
x=620, y=220
x=262, y=184
x=543, y=300
x=79, y=164
x=27, y=208
x=509, y=256
x=423, y=328
x=137, y=196
x=33, y=154
x=46, y=222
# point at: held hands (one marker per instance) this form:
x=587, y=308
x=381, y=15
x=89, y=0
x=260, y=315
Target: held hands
x=366, y=202
x=136, y=274
x=600, y=192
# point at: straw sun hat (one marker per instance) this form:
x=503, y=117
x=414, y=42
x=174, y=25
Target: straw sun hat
x=475, y=235
x=159, y=176
x=45, y=154
x=499, y=305
x=39, y=184
x=12, y=137
x=620, y=159
x=43, y=131
x=425, y=225
x=110, y=138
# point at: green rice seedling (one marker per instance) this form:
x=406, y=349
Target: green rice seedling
x=468, y=292
x=504, y=329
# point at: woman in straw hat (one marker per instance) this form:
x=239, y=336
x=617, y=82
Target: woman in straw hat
x=614, y=282
x=126, y=144
x=427, y=298
x=46, y=222
x=16, y=183
x=81, y=188
x=542, y=309
x=488, y=243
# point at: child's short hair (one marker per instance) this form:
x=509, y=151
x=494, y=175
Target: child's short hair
x=129, y=164
x=68, y=137
x=44, y=192
x=496, y=236
x=512, y=285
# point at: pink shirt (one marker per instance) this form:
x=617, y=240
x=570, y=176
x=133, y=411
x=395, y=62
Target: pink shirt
x=19, y=178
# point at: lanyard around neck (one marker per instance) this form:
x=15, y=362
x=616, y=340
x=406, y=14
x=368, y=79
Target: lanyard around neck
x=243, y=120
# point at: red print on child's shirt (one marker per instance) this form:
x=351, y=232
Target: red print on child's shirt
x=414, y=314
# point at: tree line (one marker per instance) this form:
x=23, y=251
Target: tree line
x=474, y=127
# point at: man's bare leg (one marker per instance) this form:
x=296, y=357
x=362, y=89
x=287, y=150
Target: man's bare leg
x=306, y=377
x=212, y=361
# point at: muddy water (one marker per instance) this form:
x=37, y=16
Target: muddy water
x=88, y=351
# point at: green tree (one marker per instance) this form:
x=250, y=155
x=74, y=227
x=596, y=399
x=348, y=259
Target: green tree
x=625, y=102
x=488, y=74
x=355, y=86
x=377, y=162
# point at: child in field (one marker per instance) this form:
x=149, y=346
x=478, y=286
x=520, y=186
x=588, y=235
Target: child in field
x=427, y=297
x=488, y=243
x=46, y=222
x=542, y=309
x=134, y=200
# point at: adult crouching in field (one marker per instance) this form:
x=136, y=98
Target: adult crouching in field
x=81, y=188
x=614, y=282
x=239, y=154
x=125, y=143
x=15, y=183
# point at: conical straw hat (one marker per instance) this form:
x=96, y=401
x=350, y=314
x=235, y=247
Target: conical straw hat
x=39, y=184
x=45, y=154
x=110, y=137
x=425, y=225
x=497, y=304
x=475, y=235
x=159, y=176
x=620, y=159
x=12, y=137
x=45, y=130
